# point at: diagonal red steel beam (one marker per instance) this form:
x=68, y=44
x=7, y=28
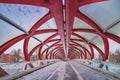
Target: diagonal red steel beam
x=8, y=44
x=39, y=45
x=58, y=53
x=85, y=30
x=91, y=48
x=75, y=49
x=51, y=52
x=55, y=44
x=57, y=12
x=104, y=38
x=76, y=44
x=45, y=31
x=71, y=11
x=98, y=49
x=47, y=54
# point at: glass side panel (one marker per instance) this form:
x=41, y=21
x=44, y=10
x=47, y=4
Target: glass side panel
x=50, y=43
x=43, y=48
x=15, y=47
x=87, y=36
x=114, y=46
x=50, y=24
x=98, y=42
x=97, y=55
x=44, y=36
x=83, y=44
x=78, y=23
x=32, y=43
x=103, y=13
x=115, y=30
x=74, y=37
x=8, y=32
x=24, y=15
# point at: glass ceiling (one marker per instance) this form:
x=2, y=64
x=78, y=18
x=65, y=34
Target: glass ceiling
x=19, y=19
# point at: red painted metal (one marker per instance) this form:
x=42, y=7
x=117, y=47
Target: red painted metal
x=49, y=38
x=112, y=36
x=106, y=47
x=8, y=44
x=71, y=9
x=56, y=11
x=85, y=30
x=51, y=52
x=73, y=51
x=92, y=52
x=45, y=31
x=47, y=54
x=59, y=53
x=75, y=43
x=25, y=49
x=91, y=48
x=99, y=50
x=46, y=50
x=38, y=46
x=39, y=23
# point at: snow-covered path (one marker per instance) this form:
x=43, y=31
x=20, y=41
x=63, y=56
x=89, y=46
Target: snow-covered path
x=67, y=71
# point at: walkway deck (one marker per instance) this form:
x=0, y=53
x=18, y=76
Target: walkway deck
x=67, y=71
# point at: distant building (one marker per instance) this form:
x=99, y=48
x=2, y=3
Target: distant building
x=114, y=58
x=6, y=58
x=34, y=58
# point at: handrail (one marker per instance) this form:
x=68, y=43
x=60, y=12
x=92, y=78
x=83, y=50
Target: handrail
x=25, y=72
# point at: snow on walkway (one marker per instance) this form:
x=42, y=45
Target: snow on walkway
x=90, y=74
x=67, y=71
x=41, y=74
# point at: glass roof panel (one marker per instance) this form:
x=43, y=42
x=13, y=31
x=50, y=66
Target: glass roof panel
x=49, y=44
x=113, y=46
x=96, y=55
x=87, y=36
x=32, y=43
x=83, y=45
x=16, y=46
x=78, y=23
x=115, y=30
x=43, y=48
x=8, y=32
x=104, y=13
x=74, y=37
x=44, y=36
x=98, y=42
x=24, y=15
x=50, y=24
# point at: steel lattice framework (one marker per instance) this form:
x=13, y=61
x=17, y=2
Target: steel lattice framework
x=66, y=46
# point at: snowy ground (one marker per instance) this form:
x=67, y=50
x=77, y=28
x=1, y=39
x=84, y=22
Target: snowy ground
x=67, y=71
x=19, y=67
x=90, y=74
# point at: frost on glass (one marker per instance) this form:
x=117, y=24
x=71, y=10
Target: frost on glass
x=103, y=13
x=8, y=32
x=78, y=23
x=24, y=15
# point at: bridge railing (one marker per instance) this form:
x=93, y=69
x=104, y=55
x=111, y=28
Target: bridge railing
x=105, y=65
x=10, y=69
